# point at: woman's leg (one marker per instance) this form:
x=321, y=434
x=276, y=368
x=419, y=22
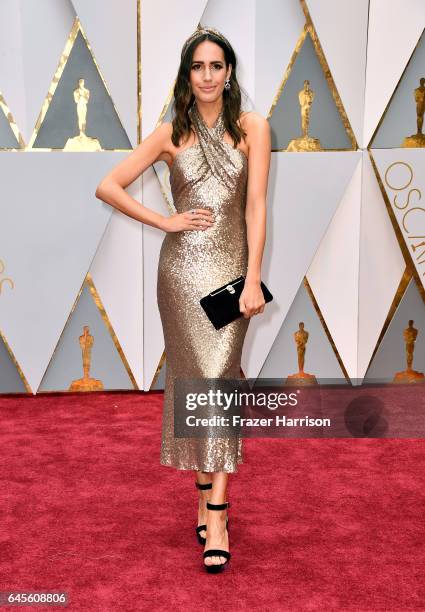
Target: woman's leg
x=204, y=496
x=217, y=536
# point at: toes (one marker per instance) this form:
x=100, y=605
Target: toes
x=214, y=560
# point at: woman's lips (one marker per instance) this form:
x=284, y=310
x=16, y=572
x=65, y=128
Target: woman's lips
x=208, y=88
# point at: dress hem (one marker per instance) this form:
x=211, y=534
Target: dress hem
x=197, y=468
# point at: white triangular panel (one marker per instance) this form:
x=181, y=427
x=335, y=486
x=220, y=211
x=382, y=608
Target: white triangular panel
x=303, y=196
x=333, y=273
x=32, y=58
x=152, y=241
x=381, y=265
x=161, y=52
x=111, y=29
x=334, y=21
x=237, y=21
x=278, y=26
x=118, y=277
x=394, y=29
x=51, y=226
x=12, y=84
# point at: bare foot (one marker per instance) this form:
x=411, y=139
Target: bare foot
x=217, y=536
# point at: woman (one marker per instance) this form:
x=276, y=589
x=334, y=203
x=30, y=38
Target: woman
x=217, y=234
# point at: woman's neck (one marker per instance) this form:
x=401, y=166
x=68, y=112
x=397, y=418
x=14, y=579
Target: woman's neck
x=210, y=111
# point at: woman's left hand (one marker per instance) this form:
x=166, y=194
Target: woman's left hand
x=251, y=301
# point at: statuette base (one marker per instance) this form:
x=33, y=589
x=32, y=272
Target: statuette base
x=82, y=143
x=409, y=376
x=304, y=143
x=416, y=140
x=301, y=378
x=86, y=384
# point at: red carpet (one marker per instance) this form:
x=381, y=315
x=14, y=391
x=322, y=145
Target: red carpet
x=315, y=524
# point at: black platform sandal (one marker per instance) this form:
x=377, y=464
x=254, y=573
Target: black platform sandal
x=200, y=528
x=215, y=552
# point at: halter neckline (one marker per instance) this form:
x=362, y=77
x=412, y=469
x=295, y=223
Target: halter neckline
x=217, y=158
x=216, y=130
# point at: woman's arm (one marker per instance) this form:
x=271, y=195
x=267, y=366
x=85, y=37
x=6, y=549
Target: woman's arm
x=112, y=187
x=259, y=143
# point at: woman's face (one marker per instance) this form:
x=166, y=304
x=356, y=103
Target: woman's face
x=208, y=72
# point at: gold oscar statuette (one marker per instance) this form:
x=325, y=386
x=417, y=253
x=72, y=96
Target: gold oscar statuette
x=418, y=139
x=82, y=142
x=409, y=375
x=305, y=142
x=86, y=383
x=301, y=378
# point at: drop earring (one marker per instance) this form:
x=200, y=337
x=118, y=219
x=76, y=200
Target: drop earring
x=227, y=84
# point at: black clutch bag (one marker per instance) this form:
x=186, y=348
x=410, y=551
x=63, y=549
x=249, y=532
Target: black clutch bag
x=222, y=305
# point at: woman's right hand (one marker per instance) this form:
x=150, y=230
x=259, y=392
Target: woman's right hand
x=201, y=219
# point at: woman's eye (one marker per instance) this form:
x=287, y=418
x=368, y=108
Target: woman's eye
x=216, y=66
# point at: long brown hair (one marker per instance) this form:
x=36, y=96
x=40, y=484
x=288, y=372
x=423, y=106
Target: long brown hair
x=184, y=98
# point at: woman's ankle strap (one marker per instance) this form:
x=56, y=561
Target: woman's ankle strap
x=203, y=487
x=218, y=506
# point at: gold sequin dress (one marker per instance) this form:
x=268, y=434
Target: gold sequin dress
x=210, y=174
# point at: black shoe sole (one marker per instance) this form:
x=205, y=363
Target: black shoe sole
x=215, y=569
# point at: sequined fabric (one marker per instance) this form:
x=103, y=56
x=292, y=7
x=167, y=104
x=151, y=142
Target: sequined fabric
x=210, y=174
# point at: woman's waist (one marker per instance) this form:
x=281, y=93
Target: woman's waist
x=227, y=238
x=224, y=209
x=202, y=245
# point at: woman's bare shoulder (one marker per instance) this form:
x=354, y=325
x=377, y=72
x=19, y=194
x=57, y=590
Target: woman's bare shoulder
x=169, y=150
x=163, y=133
x=167, y=126
x=248, y=118
x=166, y=129
x=254, y=125
x=167, y=132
